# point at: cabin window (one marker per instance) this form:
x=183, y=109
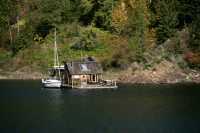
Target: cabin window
x=84, y=67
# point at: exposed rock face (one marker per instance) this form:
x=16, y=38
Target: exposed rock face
x=164, y=72
x=20, y=74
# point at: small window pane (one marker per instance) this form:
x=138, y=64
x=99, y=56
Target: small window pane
x=84, y=67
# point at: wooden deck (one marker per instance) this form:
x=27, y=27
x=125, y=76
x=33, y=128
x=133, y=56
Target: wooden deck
x=91, y=86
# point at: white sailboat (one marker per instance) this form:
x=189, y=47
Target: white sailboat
x=55, y=80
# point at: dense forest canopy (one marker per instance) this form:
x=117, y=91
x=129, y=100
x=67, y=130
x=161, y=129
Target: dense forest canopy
x=143, y=24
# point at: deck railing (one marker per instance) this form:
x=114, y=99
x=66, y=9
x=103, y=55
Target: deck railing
x=101, y=84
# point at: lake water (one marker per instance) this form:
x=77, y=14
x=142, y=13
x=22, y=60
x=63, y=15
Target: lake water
x=26, y=107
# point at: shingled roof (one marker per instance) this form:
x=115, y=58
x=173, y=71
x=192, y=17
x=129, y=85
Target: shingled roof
x=85, y=66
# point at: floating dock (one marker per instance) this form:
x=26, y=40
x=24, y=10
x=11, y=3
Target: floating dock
x=88, y=86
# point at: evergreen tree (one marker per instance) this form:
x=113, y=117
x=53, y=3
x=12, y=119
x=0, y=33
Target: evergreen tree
x=189, y=12
x=103, y=16
x=137, y=27
x=194, y=28
x=166, y=19
x=8, y=11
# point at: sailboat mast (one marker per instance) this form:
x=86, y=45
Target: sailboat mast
x=55, y=51
x=56, y=60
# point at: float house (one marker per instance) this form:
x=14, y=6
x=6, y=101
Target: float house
x=85, y=73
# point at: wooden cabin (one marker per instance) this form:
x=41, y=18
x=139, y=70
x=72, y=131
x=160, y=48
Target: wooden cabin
x=85, y=73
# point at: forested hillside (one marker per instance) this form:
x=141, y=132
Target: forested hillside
x=119, y=33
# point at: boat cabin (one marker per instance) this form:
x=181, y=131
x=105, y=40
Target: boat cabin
x=82, y=73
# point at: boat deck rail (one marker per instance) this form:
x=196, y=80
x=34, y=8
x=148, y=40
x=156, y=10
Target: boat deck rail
x=100, y=85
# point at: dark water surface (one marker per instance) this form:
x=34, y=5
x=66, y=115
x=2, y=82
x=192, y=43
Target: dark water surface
x=27, y=108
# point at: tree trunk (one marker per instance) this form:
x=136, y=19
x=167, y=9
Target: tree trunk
x=10, y=33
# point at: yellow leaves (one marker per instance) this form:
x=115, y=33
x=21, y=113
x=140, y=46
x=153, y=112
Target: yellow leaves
x=132, y=3
x=125, y=10
x=135, y=3
x=119, y=16
x=150, y=40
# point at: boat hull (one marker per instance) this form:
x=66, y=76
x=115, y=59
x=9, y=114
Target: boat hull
x=51, y=83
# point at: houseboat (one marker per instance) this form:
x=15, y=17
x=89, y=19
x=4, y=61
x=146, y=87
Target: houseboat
x=85, y=74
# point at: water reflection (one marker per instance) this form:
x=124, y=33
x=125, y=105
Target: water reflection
x=53, y=95
x=75, y=92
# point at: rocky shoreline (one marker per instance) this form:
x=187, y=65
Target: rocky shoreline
x=133, y=79
x=21, y=75
x=164, y=72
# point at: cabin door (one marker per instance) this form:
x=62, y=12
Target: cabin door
x=93, y=78
x=84, y=80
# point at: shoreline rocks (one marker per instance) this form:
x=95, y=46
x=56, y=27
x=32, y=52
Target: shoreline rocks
x=163, y=73
x=21, y=75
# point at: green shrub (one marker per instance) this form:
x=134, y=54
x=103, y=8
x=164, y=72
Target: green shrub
x=22, y=41
x=87, y=41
